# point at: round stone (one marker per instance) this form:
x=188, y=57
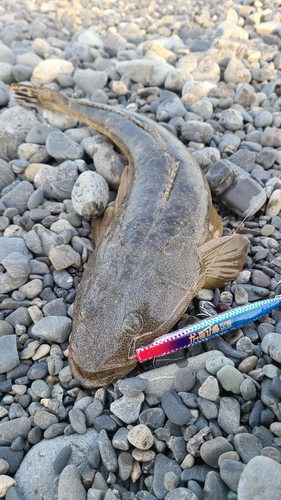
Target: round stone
x=141, y=437
x=90, y=194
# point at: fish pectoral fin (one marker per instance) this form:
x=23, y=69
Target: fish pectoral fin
x=126, y=181
x=223, y=259
x=215, y=225
x=101, y=225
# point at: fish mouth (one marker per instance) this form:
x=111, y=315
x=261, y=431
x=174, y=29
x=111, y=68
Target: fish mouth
x=99, y=378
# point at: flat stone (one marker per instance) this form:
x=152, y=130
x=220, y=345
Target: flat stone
x=244, y=197
x=127, y=408
x=229, y=414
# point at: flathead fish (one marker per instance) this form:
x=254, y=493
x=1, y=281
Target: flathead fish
x=158, y=246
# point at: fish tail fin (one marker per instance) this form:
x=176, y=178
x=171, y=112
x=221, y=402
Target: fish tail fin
x=223, y=259
x=39, y=97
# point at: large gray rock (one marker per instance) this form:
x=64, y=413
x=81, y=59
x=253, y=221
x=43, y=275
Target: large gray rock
x=261, y=479
x=40, y=460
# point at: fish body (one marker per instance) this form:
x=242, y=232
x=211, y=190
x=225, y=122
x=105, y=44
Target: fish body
x=155, y=251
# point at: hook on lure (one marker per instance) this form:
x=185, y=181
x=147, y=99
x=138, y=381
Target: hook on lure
x=207, y=329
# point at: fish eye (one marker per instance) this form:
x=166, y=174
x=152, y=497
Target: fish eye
x=132, y=323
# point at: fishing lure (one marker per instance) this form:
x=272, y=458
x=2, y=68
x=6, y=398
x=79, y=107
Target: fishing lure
x=207, y=329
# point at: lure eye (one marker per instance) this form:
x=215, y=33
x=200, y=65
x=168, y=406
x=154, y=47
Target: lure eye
x=132, y=323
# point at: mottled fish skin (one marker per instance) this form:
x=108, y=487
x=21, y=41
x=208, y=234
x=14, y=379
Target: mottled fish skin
x=150, y=264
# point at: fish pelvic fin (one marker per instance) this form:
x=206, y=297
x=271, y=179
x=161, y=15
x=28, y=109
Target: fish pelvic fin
x=215, y=225
x=223, y=259
x=125, y=183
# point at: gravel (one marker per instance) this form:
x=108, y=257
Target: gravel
x=191, y=425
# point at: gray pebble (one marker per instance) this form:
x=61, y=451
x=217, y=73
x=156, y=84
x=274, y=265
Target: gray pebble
x=17, y=265
x=8, y=353
x=119, y=440
x=220, y=176
x=210, y=389
x=229, y=414
x=41, y=389
x=132, y=386
x=208, y=409
x=53, y=328
x=147, y=72
x=163, y=465
x=43, y=419
x=12, y=429
x=61, y=147
x=70, y=476
x=18, y=196
x=174, y=408
x=248, y=389
x=247, y=445
x=214, y=487
x=184, y=380
x=231, y=119
x=109, y=165
x=62, y=459
x=55, y=430
x=108, y=455
x=271, y=344
x=210, y=451
x=125, y=463
x=230, y=473
x=181, y=494
x=152, y=417
x=169, y=108
x=197, y=131
x=127, y=408
x=35, y=199
x=89, y=80
x=105, y=422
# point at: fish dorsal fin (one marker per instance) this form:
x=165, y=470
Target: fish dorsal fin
x=101, y=225
x=215, y=226
x=223, y=259
x=126, y=181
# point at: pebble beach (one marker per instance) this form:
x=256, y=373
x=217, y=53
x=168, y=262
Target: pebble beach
x=202, y=424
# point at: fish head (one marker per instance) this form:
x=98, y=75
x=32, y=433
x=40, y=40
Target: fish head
x=114, y=316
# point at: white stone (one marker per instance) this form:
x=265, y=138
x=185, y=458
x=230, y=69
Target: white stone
x=145, y=71
x=49, y=70
x=90, y=194
x=5, y=483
